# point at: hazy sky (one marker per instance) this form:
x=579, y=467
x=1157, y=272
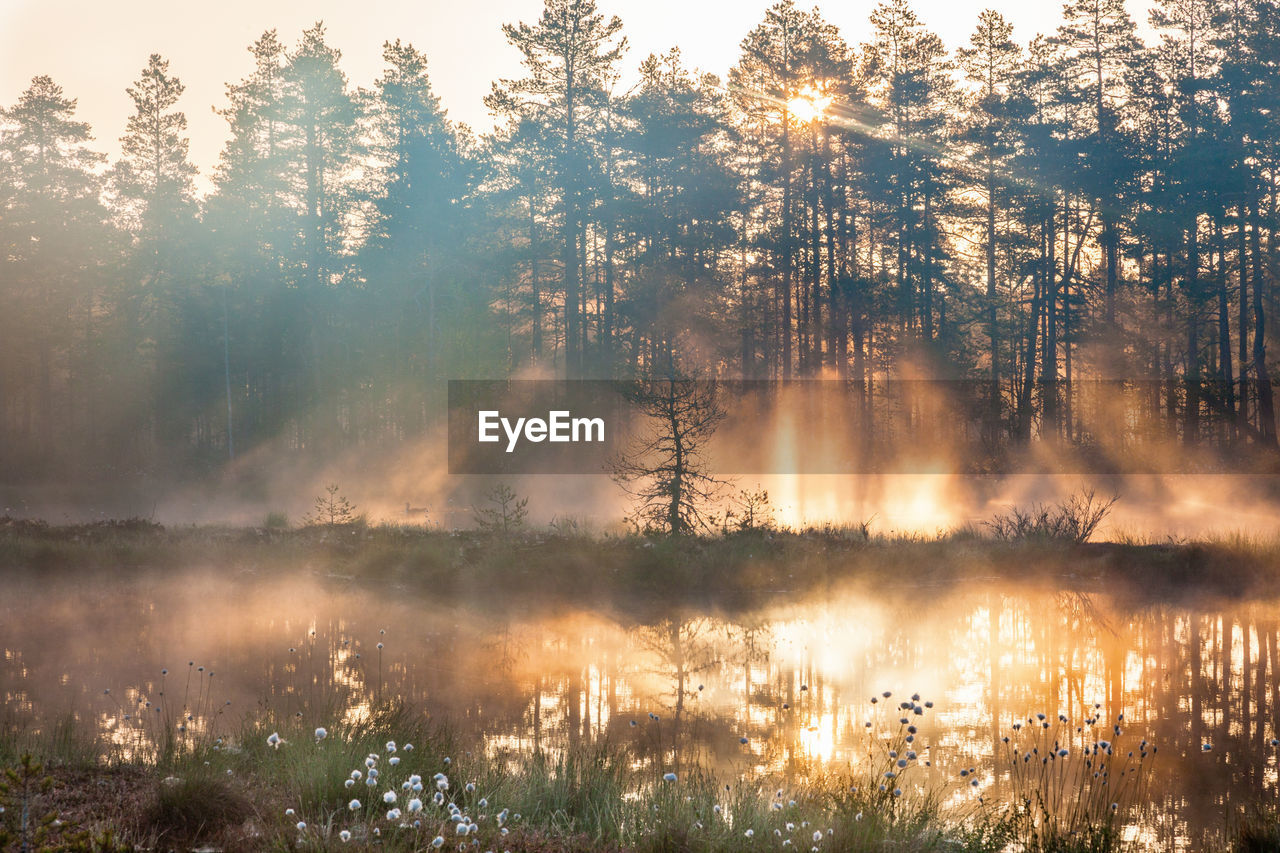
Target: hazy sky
x=95, y=48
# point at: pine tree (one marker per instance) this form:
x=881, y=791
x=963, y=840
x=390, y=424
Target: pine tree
x=420, y=278
x=55, y=241
x=321, y=117
x=153, y=179
x=248, y=206
x=154, y=197
x=1100, y=46
x=991, y=63
x=792, y=69
x=908, y=73
x=681, y=209
x=570, y=55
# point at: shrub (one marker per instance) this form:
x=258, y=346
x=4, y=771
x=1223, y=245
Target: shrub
x=1072, y=520
x=198, y=804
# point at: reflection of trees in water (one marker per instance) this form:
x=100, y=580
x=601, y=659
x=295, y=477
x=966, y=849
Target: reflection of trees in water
x=1183, y=674
x=683, y=649
x=1182, y=677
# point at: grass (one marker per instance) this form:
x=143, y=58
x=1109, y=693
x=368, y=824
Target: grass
x=279, y=785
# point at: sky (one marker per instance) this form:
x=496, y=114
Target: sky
x=94, y=49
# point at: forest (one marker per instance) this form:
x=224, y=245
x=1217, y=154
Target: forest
x=1019, y=218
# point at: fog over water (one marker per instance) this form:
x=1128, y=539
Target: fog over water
x=795, y=679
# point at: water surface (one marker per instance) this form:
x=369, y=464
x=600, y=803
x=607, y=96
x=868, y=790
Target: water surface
x=136, y=656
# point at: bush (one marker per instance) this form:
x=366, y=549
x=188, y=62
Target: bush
x=1072, y=520
x=276, y=520
x=196, y=805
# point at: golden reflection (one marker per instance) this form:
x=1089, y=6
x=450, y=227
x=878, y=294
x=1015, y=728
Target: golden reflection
x=818, y=739
x=786, y=691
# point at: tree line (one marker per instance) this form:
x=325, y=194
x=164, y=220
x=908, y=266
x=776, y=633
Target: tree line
x=1082, y=206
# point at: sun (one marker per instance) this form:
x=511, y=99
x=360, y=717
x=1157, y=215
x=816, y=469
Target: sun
x=808, y=104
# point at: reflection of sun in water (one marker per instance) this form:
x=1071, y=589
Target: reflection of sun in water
x=818, y=738
x=808, y=104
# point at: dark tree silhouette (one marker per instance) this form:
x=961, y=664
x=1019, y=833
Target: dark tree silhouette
x=665, y=470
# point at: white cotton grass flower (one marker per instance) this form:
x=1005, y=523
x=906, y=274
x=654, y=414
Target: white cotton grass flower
x=437, y=842
x=470, y=788
x=302, y=826
x=393, y=814
x=391, y=745
x=273, y=740
x=750, y=833
x=395, y=759
x=669, y=777
x=415, y=805
x=321, y=733
x=289, y=813
x=356, y=775
x=354, y=805
x=389, y=797
x=349, y=783
x=463, y=828
x=438, y=799
x=817, y=836
x=345, y=835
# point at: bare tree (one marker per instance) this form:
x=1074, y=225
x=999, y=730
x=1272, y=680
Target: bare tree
x=664, y=470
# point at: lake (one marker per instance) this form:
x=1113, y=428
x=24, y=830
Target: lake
x=1195, y=681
